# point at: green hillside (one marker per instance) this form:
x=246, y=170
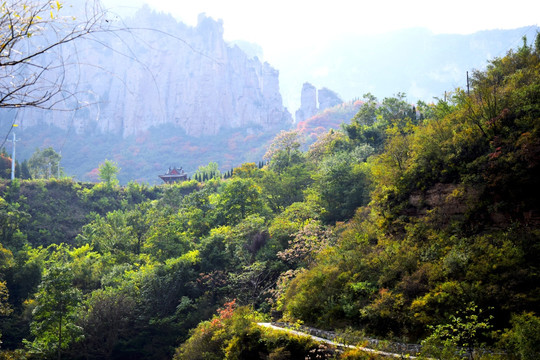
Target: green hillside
x=410, y=224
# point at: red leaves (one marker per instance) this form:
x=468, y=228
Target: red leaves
x=227, y=311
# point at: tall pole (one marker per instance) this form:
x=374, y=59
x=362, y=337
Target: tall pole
x=13, y=158
x=13, y=154
x=467, y=83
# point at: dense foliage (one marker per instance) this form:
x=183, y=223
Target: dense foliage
x=410, y=223
x=453, y=218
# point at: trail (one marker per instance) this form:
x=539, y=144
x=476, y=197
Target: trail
x=339, y=345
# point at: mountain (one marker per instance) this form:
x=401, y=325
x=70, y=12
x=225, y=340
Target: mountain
x=415, y=61
x=159, y=93
x=330, y=118
x=309, y=98
x=160, y=71
x=408, y=227
x=154, y=94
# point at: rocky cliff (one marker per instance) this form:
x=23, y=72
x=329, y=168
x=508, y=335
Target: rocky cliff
x=159, y=71
x=328, y=98
x=309, y=98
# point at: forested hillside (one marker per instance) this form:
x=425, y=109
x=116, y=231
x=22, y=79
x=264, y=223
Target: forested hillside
x=410, y=223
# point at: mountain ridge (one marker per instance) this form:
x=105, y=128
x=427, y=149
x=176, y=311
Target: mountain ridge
x=187, y=76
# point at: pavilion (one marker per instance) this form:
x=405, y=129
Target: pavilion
x=174, y=175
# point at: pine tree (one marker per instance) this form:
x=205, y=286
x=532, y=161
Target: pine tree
x=17, y=169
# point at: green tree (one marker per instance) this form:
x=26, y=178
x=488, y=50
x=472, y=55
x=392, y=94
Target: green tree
x=367, y=115
x=6, y=258
x=460, y=336
x=238, y=199
x=342, y=182
x=11, y=218
x=524, y=336
x=284, y=151
x=247, y=170
x=54, y=317
x=286, y=188
x=207, y=172
x=25, y=171
x=112, y=235
x=370, y=123
x=328, y=143
x=107, y=318
x=45, y=164
x=107, y=173
x=168, y=237
x=537, y=43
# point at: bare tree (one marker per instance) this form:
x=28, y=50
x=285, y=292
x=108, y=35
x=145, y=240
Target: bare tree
x=32, y=63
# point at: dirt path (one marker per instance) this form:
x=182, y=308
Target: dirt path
x=339, y=345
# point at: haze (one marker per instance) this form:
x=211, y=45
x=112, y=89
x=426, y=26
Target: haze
x=305, y=29
x=283, y=24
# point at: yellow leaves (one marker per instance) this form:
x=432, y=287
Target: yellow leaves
x=5, y=308
x=221, y=230
x=246, y=170
x=80, y=250
x=192, y=257
x=29, y=303
x=214, y=199
x=55, y=8
x=446, y=294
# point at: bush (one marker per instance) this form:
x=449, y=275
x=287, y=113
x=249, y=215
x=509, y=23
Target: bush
x=523, y=339
x=235, y=334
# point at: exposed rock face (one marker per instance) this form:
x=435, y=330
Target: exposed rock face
x=449, y=200
x=308, y=101
x=328, y=99
x=181, y=75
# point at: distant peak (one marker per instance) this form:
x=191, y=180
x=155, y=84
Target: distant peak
x=208, y=23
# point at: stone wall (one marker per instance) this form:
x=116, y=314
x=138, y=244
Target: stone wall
x=347, y=339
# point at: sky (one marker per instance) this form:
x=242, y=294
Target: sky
x=280, y=25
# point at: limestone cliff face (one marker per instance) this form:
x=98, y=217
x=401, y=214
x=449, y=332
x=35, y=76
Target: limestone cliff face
x=308, y=101
x=175, y=74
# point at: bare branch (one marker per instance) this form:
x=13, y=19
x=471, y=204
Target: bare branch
x=32, y=70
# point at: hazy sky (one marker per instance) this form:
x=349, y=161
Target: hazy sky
x=284, y=27
x=279, y=25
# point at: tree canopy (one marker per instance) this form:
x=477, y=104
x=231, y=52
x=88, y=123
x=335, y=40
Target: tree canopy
x=411, y=224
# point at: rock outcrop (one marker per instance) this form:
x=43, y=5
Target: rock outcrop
x=328, y=99
x=308, y=101
x=176, y=74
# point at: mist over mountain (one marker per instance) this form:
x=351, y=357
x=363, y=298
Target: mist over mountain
x=160, y=93
x=413, y=61
x=160, y=71
x=152, y=94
